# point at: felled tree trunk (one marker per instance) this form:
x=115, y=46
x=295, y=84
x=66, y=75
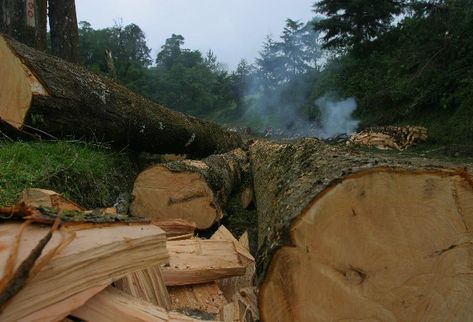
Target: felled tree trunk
x=25, y=20
x=64, y=29
x=47, y=96
x=196, y=191
x=346, y=235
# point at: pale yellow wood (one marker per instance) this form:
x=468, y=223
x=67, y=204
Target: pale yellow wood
x=147, y=284
x=229, y=314
x=15, y=89
x=35, y=197
x=196, y=261
x=60, y=310
x=379, y=246
x=160, y=194
x=201, y=297
x=112, y=305
x=96, y=256
x=232, y=285
x=246, y=304
x=245, y=240
x=223, y=233
x=176, y=227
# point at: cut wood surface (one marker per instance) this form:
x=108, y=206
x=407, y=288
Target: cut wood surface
x=232, y=285
x=35, y=197
x=75, y=102
x=112, y=305
x=196, y=191
x=197, y=261
x=176, y=227
x=95, y=257
x=147, y=284
x=349, y=235
x=206, y=298
x=62, y=309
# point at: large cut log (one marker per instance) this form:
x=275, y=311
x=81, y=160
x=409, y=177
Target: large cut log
x=192, y=190
x=95, y=257
x=347, y=235
x=43, y=94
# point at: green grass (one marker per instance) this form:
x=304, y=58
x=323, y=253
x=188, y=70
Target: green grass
x=90, y=175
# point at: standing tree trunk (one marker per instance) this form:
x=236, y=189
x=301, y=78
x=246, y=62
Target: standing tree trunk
x=64, y=29
x=25, y=20
x=348, y=235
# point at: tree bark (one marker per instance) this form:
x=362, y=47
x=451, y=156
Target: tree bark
x=50, y=97
x=64, y=30
x=345, y=234
x=196, y=191
x=25, y=21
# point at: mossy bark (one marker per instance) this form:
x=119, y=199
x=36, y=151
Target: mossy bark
x=85, y=105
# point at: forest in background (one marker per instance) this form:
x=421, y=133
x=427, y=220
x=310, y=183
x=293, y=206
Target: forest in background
x=395, y=61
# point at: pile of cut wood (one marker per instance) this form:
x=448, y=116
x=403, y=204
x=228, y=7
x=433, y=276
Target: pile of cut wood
x=103, y=266
x=389, y=137
x=343, y=233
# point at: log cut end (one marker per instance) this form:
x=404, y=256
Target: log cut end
x=381, y=245
x=18, y=88
x=162, y=194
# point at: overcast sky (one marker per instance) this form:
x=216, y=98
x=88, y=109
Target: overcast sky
x=233, y=29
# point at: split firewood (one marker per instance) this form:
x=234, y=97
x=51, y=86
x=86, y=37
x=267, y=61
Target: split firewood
x=246, y=304
x=206, y=298
x=229, y=313
x=112, y=305
x=95, y=257
x=37, y=198
x=45, y=215
x=47, y=96
x=351, y=235
x=147, y=284
x=60, y=310
x=197, y=261
x=389, y=137
x=176, y=227
x=196, y=191
x=232, y=285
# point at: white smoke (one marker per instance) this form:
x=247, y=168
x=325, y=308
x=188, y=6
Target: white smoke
x=336, y=117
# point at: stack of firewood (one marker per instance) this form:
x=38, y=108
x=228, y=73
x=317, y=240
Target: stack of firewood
x=116, y=269
x=389, y=137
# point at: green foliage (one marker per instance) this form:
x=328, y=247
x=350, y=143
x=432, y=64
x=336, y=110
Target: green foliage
x=188, y=82
x=280, y=82
x=127, y=47
x=418, y=72
x=89, y=175
x=350, y=23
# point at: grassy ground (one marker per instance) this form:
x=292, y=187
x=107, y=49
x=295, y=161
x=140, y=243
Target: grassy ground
x=93, y=176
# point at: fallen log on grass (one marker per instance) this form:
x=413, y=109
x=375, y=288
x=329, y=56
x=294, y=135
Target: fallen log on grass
x=196, y=191
x=351, y=235
x=93, y=257
x=47, y=96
